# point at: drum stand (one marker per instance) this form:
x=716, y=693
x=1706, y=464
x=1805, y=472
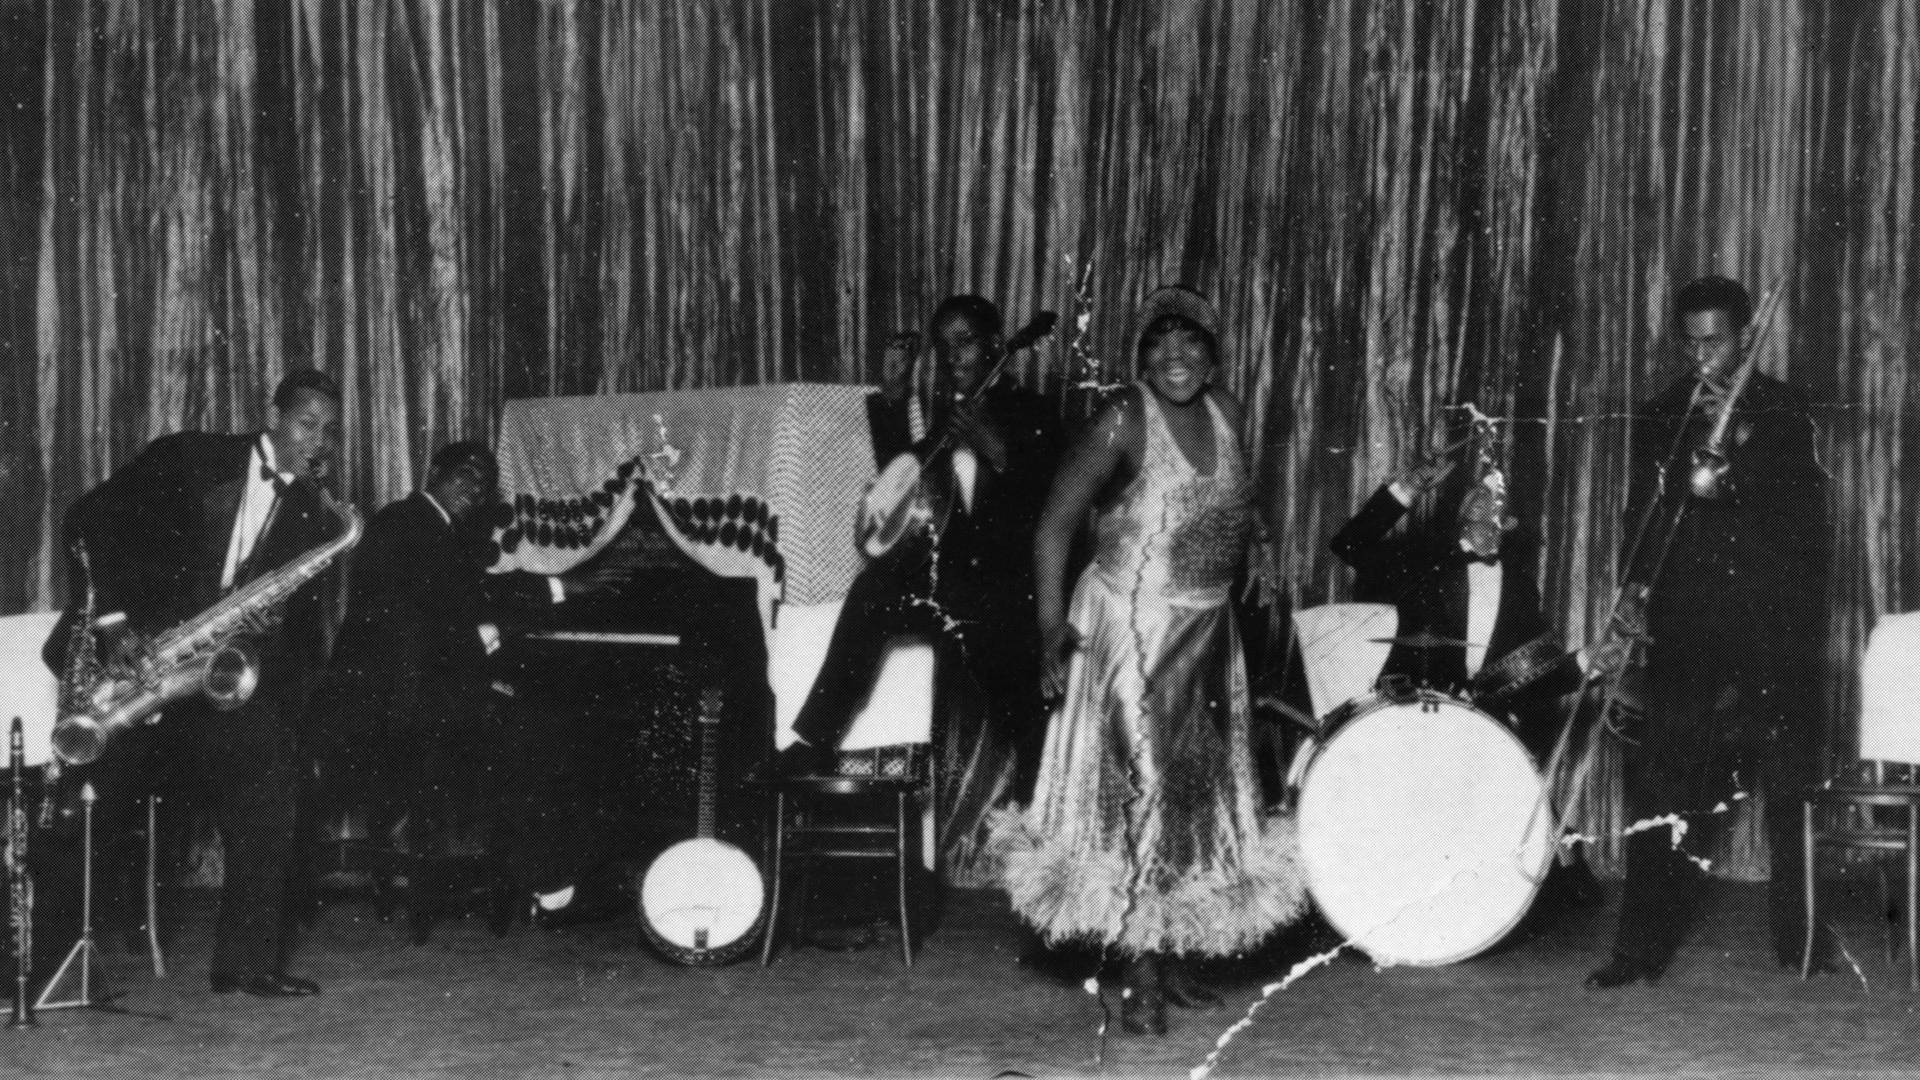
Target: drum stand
x=81, y=958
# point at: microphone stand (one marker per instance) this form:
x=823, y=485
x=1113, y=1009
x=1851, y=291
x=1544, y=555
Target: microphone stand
x=84, y=951
x=84, y=954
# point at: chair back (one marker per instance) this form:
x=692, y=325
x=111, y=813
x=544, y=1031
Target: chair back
x=1890, y=693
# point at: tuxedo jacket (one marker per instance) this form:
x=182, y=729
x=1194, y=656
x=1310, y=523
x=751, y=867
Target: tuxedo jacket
x=157, y=533
x=1743, y=579
x=1738, y=595
x=409, y=651
x=1424, y=576
x=986, y=551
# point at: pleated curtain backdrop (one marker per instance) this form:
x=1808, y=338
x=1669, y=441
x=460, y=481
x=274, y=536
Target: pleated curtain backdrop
x=1400, y=207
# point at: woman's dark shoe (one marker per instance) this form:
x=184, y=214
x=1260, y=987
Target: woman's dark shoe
x=1183, y=990
x=1143, y=1002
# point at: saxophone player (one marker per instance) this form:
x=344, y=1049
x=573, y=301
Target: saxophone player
x=191, y=518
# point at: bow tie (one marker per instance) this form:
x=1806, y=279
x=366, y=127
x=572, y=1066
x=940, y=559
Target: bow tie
x=280, y=481
x=1484, y=560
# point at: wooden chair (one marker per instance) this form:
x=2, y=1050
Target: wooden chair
x=801, y=837
x=879, y=803
x=1846, y=817
x=1854, y=815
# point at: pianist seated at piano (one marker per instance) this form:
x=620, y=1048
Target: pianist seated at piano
x=404, y=726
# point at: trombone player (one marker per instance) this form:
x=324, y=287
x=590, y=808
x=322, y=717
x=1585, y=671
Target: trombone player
x=193, y=517
x=1726, y=576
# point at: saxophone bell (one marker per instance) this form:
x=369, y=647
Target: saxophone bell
x=79, y=739
x=232, y=675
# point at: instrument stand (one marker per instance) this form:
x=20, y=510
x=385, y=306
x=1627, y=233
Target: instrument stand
x=78, y=967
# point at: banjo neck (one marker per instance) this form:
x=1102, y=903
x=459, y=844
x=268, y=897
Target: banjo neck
x=709, y=760
x=701, y=900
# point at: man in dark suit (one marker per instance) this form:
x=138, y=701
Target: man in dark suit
x=993, y=446
x=1466, y=576
x=1734, y=564
x=167, y=535
x=406, y=724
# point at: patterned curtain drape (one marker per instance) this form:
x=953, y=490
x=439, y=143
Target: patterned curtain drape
x=1400, y=207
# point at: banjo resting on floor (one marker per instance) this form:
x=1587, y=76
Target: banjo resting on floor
x=702, y=901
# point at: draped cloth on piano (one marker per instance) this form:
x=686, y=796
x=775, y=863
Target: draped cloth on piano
x=751, y=481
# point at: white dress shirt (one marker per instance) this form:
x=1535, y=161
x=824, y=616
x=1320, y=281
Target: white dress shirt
x=1483, y=594
x=966, y=467
x=257, y=500
x=1483, y=606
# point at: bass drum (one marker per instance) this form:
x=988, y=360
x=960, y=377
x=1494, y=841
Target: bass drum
x=1424, y=828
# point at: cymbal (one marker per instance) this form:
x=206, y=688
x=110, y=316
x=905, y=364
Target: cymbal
x=1424, y=640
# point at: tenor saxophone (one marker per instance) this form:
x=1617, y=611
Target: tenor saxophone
x=205, y=654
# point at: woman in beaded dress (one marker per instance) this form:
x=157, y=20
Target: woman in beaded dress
x=1145, y=833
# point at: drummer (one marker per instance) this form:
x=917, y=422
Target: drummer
x=1464, y=588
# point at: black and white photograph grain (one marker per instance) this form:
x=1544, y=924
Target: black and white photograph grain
x=959, y=539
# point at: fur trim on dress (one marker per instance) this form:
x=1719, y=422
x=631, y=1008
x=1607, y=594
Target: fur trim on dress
x=1220, y=910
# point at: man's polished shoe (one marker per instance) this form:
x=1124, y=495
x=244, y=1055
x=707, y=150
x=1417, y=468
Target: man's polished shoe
x=803, y=759
x=1620, y=971
x=271, y=984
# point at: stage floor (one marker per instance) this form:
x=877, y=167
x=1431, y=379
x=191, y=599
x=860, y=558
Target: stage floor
x=588, y=1002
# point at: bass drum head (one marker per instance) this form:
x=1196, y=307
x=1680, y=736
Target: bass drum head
x=1425, y=831
x=701, y=896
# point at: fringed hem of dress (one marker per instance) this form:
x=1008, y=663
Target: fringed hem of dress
x=1068, y=894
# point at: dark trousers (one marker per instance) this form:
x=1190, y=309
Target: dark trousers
x=244, y=767
x=987, y=640
x=1693, y=756
x=250, y=760
x=892, y=595
x=442, y=754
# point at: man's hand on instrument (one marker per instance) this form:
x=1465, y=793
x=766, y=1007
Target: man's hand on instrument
x=1710, y=396
x=1627, y=628
x=1419, y=477
x=125, y=652
x=611, y=571
x=896, y=364
x=1058, y=643
x=978, y=432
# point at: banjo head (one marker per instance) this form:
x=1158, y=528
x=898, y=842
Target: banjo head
x=701, y=901
x=888, y=508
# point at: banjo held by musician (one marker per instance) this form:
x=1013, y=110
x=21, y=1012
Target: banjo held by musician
x=915, y=492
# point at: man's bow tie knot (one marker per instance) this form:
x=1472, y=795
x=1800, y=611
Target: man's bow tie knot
x=280, y=481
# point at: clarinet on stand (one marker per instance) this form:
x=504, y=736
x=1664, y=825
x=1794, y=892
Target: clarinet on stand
x=19, y=884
